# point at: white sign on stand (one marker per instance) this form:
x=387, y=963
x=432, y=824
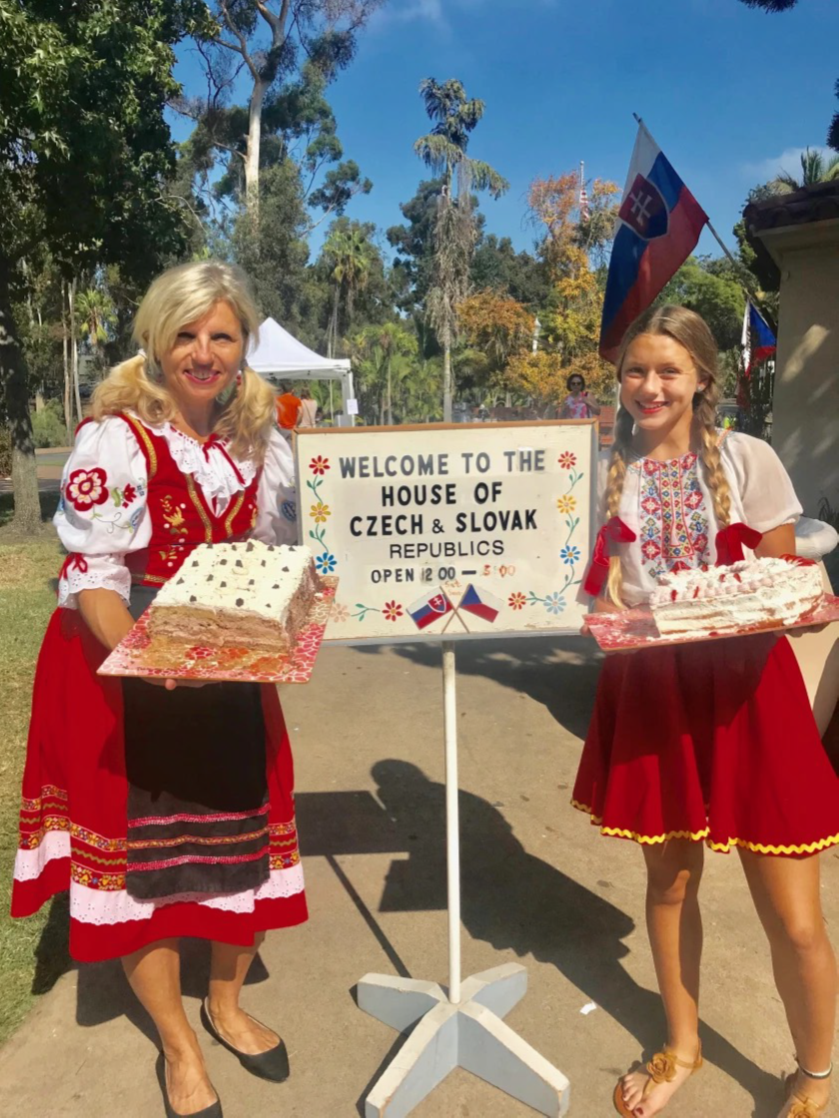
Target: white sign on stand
x=450, y=530
x=443, y=533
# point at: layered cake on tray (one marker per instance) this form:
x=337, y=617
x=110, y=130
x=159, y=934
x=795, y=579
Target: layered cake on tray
x=252, y=595
x=750, y=594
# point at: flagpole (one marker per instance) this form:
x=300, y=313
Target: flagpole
x=739, y=267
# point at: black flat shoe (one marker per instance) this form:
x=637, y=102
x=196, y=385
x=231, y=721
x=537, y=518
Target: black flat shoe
x=271, y=1065
x=212, y=1112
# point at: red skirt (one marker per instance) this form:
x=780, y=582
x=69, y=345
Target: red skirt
x=712, y=741
x=73, y=822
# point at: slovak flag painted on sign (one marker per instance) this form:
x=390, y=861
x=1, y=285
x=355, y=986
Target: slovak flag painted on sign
x=480, y=603
x=659, y=223
x=430, y=607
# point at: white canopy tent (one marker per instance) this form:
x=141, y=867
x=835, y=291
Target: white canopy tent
x=281, y=357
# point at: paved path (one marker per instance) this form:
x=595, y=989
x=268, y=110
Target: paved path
x=50, y=464
x=540, y=886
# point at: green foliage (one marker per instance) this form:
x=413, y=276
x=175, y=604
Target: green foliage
x=48, y=428
x=5, y=451
x=711, y=288
x=815, y=168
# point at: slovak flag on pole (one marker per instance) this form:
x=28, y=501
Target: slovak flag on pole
x=430, y=607
x=659, y=223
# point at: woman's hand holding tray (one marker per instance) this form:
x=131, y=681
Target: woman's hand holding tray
x=138, y=655
x=630, y=630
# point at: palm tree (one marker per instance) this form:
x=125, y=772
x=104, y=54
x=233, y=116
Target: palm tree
x=443, y=150
x=386, y=358
x=816, y=167
x=350, y=257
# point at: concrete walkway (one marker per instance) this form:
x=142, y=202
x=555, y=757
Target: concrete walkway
x=540, y=886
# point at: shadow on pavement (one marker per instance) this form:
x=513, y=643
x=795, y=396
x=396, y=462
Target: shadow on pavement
x=558, y=672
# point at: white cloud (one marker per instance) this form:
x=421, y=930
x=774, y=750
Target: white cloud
x=405, y=11
x=788, y=161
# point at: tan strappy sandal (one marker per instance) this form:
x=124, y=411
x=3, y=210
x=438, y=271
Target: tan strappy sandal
x=801, y=1106
x=661, y=1070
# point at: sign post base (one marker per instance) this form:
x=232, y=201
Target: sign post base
x=469, y=1034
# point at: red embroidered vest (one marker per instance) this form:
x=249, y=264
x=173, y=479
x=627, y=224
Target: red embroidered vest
x=181, y=517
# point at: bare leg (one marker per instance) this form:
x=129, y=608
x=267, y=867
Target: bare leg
x=674, y=925
x=155, y=977
x=230, y=963
x=786, y=895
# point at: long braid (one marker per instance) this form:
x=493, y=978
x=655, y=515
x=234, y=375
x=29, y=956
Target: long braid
x=704, y=424
x=614, y=489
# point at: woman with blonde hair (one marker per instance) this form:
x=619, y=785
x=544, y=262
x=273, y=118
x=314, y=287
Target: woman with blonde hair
x=166, y=810
x=709, y=744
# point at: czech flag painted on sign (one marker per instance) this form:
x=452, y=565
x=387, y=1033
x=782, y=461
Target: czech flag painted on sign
x=480, y=603
x=659, y=223
x=430, y=607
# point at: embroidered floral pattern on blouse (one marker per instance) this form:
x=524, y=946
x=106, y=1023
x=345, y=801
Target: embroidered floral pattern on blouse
x=86, y=488
x=674, y=523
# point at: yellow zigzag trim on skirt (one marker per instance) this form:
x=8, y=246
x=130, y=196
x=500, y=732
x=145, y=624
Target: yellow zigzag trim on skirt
x=758, y=848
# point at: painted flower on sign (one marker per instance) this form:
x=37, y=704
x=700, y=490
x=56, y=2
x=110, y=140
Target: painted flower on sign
x=392, y=611
x=319, y=465
x=516, y=600
x=87, y=487
x=325, y=564
x=566, y=504
x=566, y=460
x=339, y=613
x=554, y=603
x=320, y=512
x=569, y=554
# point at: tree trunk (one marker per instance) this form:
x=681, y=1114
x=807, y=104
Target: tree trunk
x=65, y=347
x=333, y=329
x=13, y=374
x=74, y=349
x=260, y=88
x=389, y=395
x=447, y=383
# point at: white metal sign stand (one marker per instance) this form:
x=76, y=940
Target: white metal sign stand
x=461, y=1027
x=493, y=523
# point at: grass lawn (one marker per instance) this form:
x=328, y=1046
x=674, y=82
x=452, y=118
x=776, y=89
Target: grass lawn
x=33, y=953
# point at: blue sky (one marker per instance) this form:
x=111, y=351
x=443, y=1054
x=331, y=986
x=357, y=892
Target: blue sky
x=730, y=93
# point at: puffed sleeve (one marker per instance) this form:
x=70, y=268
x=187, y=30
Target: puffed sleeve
x=102, y=513
x=276, y=498
x=763, y=484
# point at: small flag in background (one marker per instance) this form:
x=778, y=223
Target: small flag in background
x=758, y=343
x=659, y=223
x=585, y=209
x=430, y=607
x=480, y=603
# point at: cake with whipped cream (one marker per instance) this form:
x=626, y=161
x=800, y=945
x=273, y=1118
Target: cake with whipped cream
x=248, y=594
x=753, y=593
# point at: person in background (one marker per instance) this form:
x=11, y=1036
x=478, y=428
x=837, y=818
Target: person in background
x=308, y=410
x=578, y=405
x=288, y=411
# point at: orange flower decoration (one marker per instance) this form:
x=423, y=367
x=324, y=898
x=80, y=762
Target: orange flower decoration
x=392, y=611
x=516, y=600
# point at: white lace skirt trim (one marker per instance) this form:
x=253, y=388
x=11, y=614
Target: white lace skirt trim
x=114, y=907
x=30, y=864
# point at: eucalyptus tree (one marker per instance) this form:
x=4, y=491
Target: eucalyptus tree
x=85, y=161
x=444, y=152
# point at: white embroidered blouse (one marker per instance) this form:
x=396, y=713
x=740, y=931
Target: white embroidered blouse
x=670, y=509
x=104, y=529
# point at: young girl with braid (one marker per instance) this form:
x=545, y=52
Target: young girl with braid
x=710, y=744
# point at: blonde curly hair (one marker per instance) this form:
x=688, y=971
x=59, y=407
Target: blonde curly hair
x=691, y=331
x=179, y=296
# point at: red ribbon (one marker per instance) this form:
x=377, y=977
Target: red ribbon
x=730, y=542
x=615, y=531
x=75, y=559
x=214, y=440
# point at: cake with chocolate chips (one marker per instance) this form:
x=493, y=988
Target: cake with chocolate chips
x=251, y=595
